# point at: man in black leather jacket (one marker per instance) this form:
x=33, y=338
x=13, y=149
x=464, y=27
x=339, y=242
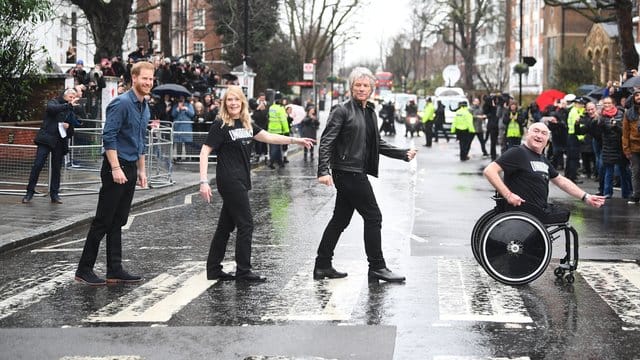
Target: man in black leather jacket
x=350, y=146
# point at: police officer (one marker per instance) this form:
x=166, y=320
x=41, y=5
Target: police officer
x=462, y=126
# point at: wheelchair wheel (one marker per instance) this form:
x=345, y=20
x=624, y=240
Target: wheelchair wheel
x=515, y=248
x=477, y=231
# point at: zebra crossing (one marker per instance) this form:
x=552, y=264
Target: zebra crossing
x=464, y=294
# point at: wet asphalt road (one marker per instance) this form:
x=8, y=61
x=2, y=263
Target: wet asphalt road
x=448, y=308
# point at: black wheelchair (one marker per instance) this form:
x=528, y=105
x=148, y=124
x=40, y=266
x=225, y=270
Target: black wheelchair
x=515, y=247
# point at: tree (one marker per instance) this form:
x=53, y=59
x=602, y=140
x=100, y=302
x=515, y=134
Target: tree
x=461, y=22
x=269, y=55
x=571, y=70
x=316, y=27
x=280, y=65
x=108, y=23
x=399, y=61
x=620, y=11
x=18, y=73
x=230, y=24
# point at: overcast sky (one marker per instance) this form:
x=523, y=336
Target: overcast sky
x=378, y=22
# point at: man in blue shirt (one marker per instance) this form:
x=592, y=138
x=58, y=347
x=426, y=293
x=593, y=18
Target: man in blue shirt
x=124, y=141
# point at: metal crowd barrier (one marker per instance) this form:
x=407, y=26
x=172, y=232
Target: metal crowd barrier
x=188, y=137
x=81, y=169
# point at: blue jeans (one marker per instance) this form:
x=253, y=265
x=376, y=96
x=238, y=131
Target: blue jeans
x=275, y=154
x=625, y=179
x=597, y=151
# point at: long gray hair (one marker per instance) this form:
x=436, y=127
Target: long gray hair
x=359, y=73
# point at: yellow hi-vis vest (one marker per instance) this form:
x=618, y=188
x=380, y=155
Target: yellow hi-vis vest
x=574, y=114
x=463, y=120
x=513, y=129
x=278, y=120
x=429, y=113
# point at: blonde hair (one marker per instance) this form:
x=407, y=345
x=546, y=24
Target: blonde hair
x=245, y=118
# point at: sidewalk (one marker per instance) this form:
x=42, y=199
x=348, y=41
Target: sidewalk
x=23, y=224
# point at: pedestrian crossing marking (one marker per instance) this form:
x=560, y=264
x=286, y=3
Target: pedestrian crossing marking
x=467, y=293
x=618, y=284
x=133, y=216
x=318, y=300
x=23, y=293
x=160, y=298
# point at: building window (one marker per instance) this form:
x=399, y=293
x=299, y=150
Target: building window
x=198, y=49
x=199, y=19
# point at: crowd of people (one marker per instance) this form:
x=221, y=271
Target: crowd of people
x=589, y=139
x=195, y=113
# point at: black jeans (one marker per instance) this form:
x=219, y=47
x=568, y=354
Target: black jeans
x=114, y=204
x=235, y=212
x=551, y=214
x=354, y=193
x=57, y=155
x=492, y=135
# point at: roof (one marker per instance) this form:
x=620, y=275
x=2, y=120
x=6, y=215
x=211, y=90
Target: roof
x=610, y=28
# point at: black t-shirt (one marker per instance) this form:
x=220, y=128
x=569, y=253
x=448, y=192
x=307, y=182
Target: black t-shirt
x=233, y=147
x=527, y=174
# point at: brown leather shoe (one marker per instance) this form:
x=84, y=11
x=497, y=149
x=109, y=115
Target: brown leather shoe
x=56, y=200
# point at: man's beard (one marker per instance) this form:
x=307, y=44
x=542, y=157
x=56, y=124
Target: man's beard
x=140, y=89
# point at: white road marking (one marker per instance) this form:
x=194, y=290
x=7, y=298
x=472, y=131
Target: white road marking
x=448, y=357
x=133, y=216
x=57, y=247
x=305, y=299
x=17, y=298
x=160, y=298
x=618, y=284
x=109, y=357
x=467, y=293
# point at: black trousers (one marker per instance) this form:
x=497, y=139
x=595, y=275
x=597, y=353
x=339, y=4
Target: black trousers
x=57, y=155
x=465, y=137
x=492, y=135
x=114, y=204
x=235, y=212
x=354, y=193
x=551, y=214
x=428, y=132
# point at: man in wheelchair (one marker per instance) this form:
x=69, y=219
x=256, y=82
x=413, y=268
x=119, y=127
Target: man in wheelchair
x=526, y=180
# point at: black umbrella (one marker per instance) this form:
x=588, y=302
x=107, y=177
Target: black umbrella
x=171, y=89
x=632, y=82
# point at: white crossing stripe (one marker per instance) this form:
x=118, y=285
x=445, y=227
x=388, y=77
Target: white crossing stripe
x=306, y=299
x=110, y=357
x=443, y=357
x=160, y=298
x=26, y=292
x=59, y=247
x=618, y=284
x=133, y=216
x=467, y=293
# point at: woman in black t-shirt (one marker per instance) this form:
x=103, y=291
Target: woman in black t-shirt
x=230, y=136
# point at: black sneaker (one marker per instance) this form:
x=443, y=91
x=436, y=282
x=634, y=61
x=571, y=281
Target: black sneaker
x=633, y=201
x=122, y=276
x=89, y=278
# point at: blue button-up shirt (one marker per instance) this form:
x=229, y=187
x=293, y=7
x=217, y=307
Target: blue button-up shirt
x=126, y=127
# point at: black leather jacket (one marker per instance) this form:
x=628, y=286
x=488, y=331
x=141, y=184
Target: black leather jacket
x=342, y=146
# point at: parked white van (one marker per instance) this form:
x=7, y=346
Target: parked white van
x=450, y=97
